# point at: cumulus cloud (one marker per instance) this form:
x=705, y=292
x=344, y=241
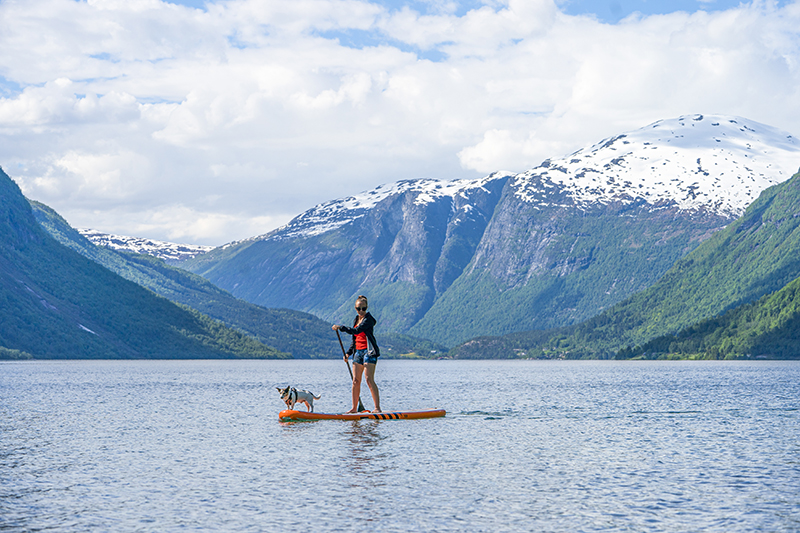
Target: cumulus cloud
x=159, y=120
x=55, y=104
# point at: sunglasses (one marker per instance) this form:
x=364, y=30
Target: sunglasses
x=361, y=308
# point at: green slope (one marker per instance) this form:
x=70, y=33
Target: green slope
x=768, y=328
x=55, y=303
x=755, y=255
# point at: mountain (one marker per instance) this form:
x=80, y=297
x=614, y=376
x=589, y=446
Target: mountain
x=576, y=235
x=299, y=334
x=697, y=163
x=755, y=256
x=402, y=244
x=58, y=304
x=543, y=249
x=168, y=251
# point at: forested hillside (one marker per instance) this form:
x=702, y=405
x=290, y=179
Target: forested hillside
x=768, y=328
x=55, y=303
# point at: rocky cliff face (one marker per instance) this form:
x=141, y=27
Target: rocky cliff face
x=544, y=248
x=539, y=268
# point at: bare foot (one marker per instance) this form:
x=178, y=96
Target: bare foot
x=376, y=410
x=351, y=411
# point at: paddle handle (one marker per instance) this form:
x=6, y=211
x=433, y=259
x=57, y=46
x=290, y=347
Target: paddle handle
x=344, y=354
x=347, y=362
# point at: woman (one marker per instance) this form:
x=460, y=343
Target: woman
x=364, y=358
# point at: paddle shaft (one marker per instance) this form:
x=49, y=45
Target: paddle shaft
x=360, y=405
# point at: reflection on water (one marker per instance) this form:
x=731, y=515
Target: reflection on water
x=367, y=469
x=366, y=457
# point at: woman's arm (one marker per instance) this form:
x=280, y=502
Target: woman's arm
x=365, y=326
x=352, y=349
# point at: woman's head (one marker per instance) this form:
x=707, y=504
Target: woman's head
x=361, y=305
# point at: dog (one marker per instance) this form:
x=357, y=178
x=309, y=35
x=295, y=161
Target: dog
x=291, y=396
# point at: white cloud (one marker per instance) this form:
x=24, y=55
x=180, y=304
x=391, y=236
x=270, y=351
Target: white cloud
x=56, y=104
x=184, y=224
x=191, y=225
x=103, y=177
x=163, y=121
x=500, y=149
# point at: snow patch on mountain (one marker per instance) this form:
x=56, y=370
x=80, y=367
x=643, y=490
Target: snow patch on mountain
x=336, y=213
x=167, y=251
x=717, y=163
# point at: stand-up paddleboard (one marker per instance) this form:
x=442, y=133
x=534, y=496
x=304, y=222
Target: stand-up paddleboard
x=289, y=415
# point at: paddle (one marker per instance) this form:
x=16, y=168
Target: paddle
x=360, y=405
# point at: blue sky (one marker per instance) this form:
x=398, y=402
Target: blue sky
x=154, y=119
x=609, y=11
x=612, y=11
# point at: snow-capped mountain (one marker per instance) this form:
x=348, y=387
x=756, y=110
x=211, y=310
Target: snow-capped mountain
x=167, y=251
x=545, y=248
x=711, y=162
x=328, y=216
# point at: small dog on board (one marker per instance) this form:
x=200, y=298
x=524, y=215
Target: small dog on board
x=291, y=396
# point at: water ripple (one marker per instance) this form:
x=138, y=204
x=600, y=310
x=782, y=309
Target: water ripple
x=595, y=446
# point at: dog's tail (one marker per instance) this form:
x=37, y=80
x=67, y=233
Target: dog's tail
x=315, y=396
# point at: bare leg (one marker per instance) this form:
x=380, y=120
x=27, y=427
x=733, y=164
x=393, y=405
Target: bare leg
x=373, y=387
x=356, y=390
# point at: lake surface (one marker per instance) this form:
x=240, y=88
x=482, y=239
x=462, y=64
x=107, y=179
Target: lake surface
x=525, y=446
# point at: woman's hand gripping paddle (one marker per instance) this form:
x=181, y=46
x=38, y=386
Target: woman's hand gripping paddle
x=360, y=405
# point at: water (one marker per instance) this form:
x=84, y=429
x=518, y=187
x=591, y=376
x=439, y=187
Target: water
x=526, y=446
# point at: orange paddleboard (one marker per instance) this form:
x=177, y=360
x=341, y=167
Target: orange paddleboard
x=290, y=415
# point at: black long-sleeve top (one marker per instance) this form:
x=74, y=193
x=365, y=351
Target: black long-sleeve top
x=366, y=326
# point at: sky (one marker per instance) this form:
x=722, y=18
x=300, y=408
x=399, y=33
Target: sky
x=206, y=122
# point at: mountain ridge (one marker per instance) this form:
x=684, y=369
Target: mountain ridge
x=330, y=215
x=168, y=251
